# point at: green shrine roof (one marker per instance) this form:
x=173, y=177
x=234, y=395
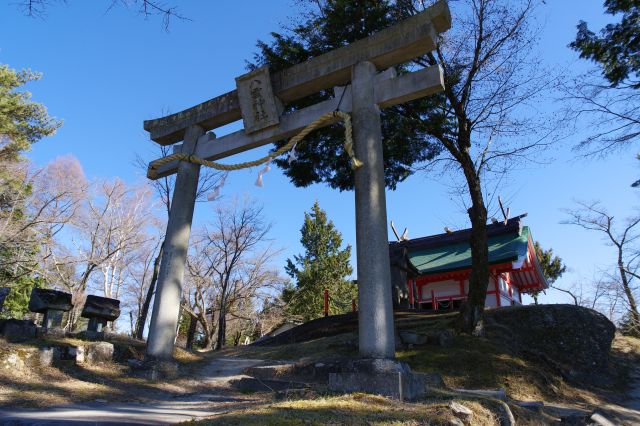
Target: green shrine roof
x=455, y=255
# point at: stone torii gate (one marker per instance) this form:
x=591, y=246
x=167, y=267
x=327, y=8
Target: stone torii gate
x=259, y=101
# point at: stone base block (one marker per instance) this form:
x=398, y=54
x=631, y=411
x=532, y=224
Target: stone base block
x=154, y=369
x=384, y=377
x=98, y=352
x=14, y=330
x=51, y=332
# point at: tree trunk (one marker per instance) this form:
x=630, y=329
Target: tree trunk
x=142, y=317
x=633, y=307
x=206, y=330
x=472, y=310
x=222, y=327
x=191, y=333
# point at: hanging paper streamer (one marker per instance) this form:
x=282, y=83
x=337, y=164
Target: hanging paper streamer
x=293, y=155
x=261, y=172
x=211, y=196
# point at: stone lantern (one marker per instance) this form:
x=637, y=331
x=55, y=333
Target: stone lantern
x=100, y=310
x=52, y=304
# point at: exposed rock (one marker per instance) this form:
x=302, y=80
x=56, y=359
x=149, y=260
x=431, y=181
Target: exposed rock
x=155, y=369
x=461, y=412
x=446, y=338
x=19, y=359
x=411, y=338
x=456, y=422
x=574, y=340
x=13, y=361
x=46, y=356
x=14, y=330
x=98, y=352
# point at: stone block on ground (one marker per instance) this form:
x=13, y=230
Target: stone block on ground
x=385, y=377
x=14, y=330
x=22, y=359
x=98, y=352
x=411, y=338
x=461, y=412
x=154, y=369
x=50, y=332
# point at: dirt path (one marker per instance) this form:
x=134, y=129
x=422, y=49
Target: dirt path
x=218, y=398
x=627, y=412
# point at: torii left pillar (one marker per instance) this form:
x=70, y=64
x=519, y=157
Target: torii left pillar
x=166, y=306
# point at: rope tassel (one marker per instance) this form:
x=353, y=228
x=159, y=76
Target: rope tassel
x=211, y=196
x=289, y=146
x=266, y=169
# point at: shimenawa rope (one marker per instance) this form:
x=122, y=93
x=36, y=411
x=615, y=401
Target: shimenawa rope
x=319, y=122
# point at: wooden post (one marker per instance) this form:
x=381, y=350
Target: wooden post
x=353, y=305
x=375, y=313
x=410, y=286
x=326, y=302
x=166, y=306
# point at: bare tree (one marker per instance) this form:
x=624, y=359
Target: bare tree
x=39, y=209
x=611, y=113
x=147, y=8
x=594, y=217
x=489, y=119
x=111, y=224
x=208, y=182
x=229, y=269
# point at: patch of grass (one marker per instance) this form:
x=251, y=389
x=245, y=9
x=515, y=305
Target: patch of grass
x=354, y=409
x=65, y=382
x=476, y=363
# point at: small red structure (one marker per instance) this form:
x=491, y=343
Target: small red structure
x=433, y=272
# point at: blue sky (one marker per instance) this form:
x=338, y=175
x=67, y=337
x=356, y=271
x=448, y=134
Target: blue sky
x=106, y=72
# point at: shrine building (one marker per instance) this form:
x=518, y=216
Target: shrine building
x=433, y=272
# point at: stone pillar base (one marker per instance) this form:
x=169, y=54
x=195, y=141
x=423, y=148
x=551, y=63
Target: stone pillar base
x=153, y=369
x=390, y=378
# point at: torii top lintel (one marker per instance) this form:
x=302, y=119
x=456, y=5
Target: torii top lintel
x=406, y=40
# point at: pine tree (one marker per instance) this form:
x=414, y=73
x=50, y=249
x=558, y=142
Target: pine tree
x=406, y=127
x=552, y=266
x=324, y=265
x=22, y=123
x=615, y=50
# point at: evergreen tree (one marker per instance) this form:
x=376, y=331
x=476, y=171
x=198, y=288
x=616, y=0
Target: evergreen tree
x=22, y=123
x=616, y=49
x=552, y=266
x=324, y=265
x=406, y=128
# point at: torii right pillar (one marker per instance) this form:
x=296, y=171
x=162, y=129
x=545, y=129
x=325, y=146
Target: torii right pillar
x=375, y=309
